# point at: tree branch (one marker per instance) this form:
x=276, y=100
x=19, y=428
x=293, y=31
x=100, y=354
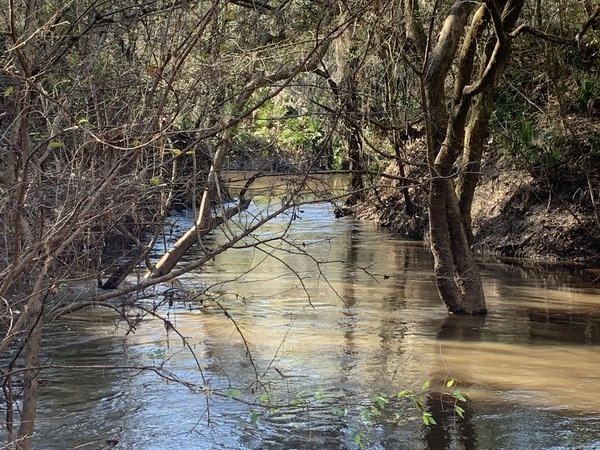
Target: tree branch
x=540, y=34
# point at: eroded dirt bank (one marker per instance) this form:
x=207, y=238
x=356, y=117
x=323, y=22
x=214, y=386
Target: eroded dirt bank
x=547, y=219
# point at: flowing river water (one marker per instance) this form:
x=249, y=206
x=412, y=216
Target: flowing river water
x=360, y=316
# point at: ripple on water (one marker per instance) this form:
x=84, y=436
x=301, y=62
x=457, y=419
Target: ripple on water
x=370, y=321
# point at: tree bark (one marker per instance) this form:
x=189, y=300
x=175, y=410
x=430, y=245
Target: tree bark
x=30, y=376
x=458, y=280
x=457, y=277
x=477, y=128
x=436, y=71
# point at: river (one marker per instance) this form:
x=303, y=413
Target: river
x=359, y=317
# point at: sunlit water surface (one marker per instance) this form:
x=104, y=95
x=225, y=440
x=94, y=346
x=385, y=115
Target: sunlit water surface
x=359, y=316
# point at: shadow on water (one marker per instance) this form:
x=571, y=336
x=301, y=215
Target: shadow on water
x=78, y=396
x=549, y=325
x=451, y=431
x=366, y=319
x=459, y=328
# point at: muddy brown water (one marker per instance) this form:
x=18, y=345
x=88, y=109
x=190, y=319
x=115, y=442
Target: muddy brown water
x=360, y=316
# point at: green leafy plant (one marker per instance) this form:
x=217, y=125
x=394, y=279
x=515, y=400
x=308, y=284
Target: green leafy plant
x=588, y=85
x=381, y=401
x=357, y=438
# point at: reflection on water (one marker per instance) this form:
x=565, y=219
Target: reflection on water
x=359, y=317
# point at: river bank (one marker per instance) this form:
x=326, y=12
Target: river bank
x=515, y=214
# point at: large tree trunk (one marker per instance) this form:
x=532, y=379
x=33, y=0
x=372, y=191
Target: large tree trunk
x=457, y=276
x=449, y=136
x=470, y=163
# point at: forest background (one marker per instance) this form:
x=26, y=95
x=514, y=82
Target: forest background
x=473, y=125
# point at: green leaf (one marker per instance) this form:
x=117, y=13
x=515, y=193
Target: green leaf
x=155, y=181
x=82, y=121
x=428, y=419
x=381, y=400
x=9, y=91
x=357, y=438
x=458, y=395
x=253, y=418
x=366, y=415
x=55, y=144
x=450, y=383
x=459, y=411
x=425, y=385
x=233, y=393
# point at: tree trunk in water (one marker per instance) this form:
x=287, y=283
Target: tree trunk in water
x=449, y=137
x=203, y=224
x=457, y=275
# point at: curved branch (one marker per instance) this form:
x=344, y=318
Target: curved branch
x=540, y=34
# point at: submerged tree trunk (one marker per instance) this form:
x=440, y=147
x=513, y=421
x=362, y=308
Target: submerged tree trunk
x=449, y=137
x=457, y=276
